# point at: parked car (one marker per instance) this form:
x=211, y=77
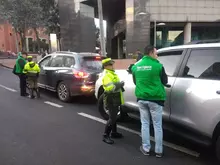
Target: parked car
x=70, y=74
x=192, y=108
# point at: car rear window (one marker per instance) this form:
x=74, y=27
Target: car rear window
x=92, y=63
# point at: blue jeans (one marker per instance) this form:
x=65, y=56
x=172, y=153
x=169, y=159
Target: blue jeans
x=148, y=108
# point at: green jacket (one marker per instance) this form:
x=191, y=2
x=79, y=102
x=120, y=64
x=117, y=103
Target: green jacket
x=147, y=74
x=112, y=95
x=20, y=63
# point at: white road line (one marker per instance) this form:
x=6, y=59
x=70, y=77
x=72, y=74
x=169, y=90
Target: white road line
x=53, y=104
x=9, y=89
x=167, y=144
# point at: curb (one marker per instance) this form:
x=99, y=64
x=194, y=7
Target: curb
x=5, y=66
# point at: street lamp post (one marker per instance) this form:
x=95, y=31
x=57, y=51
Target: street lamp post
x=155, y=33
x=102, y=37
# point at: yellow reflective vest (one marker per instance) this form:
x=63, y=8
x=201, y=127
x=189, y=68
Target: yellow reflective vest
x=115, y=96
x=31, y=69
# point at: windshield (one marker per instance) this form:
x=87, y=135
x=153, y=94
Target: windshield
x=92, y=63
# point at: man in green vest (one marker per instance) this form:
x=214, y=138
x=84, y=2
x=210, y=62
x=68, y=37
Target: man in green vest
x=150, y=78
x=19, y=67
x=113, y=98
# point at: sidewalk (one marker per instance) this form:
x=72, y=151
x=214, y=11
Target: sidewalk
x=9, y=63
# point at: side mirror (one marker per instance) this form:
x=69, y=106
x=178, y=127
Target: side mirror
x=168, y=85
x=129, y=68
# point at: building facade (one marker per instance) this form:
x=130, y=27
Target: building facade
x=133, y=24
x=10, y=41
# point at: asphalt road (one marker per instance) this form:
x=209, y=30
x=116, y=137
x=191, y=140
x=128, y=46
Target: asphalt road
x=49, y=132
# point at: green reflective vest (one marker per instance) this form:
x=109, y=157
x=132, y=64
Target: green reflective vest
x=31, y=69
x=147, y=73
x=111, y=95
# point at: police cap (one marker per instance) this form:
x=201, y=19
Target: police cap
x=107, y=61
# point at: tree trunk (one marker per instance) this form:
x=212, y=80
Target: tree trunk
x=16, y=40
x=38, y=39
x=23, y=41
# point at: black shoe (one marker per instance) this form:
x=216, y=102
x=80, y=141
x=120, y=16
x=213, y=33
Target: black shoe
x=159, y=155
x=146, y=153
x=38, y=95
x=32, y=97
x=107, y=140
x=116, y=135
x=25, y=95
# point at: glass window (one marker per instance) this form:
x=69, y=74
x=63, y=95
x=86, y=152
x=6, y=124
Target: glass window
x=203, y=64
x=57, y=61
x=45, y=62
x=69, y=62
x=92, y=63
x=170, y=60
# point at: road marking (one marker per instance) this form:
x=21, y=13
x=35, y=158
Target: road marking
x=167, y=144
x=53, y=104
x=9, y=89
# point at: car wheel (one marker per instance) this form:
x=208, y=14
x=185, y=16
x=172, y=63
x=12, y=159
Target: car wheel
x=217, y=148
x=63, y=92
x=104, y=112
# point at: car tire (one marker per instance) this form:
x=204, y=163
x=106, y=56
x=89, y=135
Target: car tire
x=103, y=112
x=217, y=148
x=63, y=92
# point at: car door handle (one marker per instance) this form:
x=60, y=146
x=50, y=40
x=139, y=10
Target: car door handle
x=218, y=92
x=168, y=85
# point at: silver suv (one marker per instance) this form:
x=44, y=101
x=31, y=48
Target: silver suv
x=192, y=108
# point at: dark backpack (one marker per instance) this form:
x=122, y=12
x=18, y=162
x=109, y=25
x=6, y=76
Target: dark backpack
x=14, y=70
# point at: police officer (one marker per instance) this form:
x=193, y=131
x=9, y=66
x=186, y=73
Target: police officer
x=32, y=70
x=113, y=98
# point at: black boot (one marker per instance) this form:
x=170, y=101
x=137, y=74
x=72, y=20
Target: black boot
x=107, y=139
x=38, y=93
x=31, y=93
x=114, y=133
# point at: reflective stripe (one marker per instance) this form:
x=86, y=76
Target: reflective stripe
x=32, y=71
x=109, y=84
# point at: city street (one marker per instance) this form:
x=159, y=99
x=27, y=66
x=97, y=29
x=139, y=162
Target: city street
x=49, y=132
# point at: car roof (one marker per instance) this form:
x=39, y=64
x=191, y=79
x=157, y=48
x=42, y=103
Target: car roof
x=88, y=54
x=193, y=46
x=75, y=53
x=63, y=53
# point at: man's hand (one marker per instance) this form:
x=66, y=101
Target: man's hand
x=122, y=83
x=119, y=85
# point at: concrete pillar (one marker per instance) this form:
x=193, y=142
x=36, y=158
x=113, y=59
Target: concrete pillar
x=187, y=32
x=164, y=36
x=118, y=47
x=27, y=44
x=77, y=26
x=137, y=26
x=109, y=38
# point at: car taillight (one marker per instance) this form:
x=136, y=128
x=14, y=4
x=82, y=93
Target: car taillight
x=98, y=58
x=80, y=74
